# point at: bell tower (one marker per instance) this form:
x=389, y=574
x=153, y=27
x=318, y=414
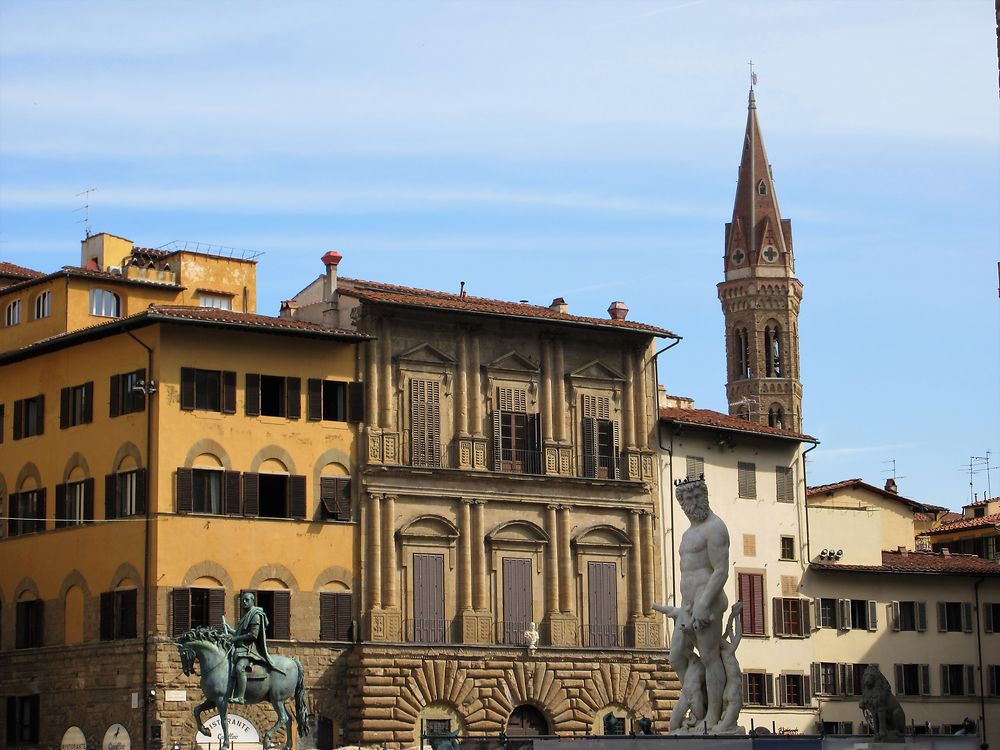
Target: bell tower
x=760, y=296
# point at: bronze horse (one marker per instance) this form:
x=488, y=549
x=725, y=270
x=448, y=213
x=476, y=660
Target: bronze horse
x=210, y=648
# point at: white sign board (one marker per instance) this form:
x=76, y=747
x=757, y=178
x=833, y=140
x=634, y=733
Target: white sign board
x=175, y=696
x=73, y=739
x=116, y=738
x=241, y=732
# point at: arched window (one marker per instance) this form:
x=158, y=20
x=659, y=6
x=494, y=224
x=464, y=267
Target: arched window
x=772, y=350
x=776, y=416
x=105, y=303
x=43, y=304
x=526, y=721
x=742, y=344
x=761, y=188
x=12, y=315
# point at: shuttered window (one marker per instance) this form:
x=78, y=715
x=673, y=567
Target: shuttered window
x=273, y=396
x=74, y=503
x=277, y=605
x=785, y=486
x=425, y=422
x=76, y=405
x=794, y=690
x=747, y=475
x=326, y=400
x=29, y=417
x=197, y=607
x=22, y=720
x=335, y=496
x=29, y=625
x=758, y=689
x=695, y=467
x=602, y=602
x=118, y=614
x=517, y=439
x=208, y=390
x=601, y=440
x=791, y=617
x=127, y=394
x=125, y=494
x=27, y=512
x=517, y=615
x=335, y=616
x=208, y=491
x=274, y=495
x=751, y=592
x=428, y=598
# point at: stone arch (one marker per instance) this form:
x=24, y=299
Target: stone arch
x=776, y=415
x=127, y=450
x=26, y=585
x=602, y=535
x=276, y=571
x=207, y=569
x=334, y=573
x=74, y=578
x=28, y=471
x=518, y=530
x=125, y=571
x=527, y=720
x=447, y=685
x=429, y=526
x=74, y=604
x=616, y=684
x=277, y=453
x=535, y=684
x=331, y=456
x=76, y=461
x=207, y=445
x=3, y=490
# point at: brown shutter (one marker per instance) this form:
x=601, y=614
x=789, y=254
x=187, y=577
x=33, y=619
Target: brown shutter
x=13, y=505
x=229, y=392
x=745, y=682
x=114, y=403
x=110, y=491
x=966, y=617
x=517, y=612
x=942, y=613
x=925, y=679
x=921, y=608
x=2, y=425
x=140, y=492
x=355, y=402
x=806, y=690
x=180, y=606
x=127, y=601
x=434, y=422
x=40, y=523
x=251, y=496
x=777, y=620
x=88, y=499
x=497, y=442
x=64, y=407
x=251, y=401
x=12, y=738
x=588, y=428
x=282, y=615
x=61, y=512
x=137, y=399
x=418, y=422
x=185, y=490
x=187, y=388
x=216, y=606
x=18, y=419
x=314, y=400
x=88, y=402
x=602, y=600
x=107, y=615
x=231, y=492
x=327, y=617
x=805, y=617
x=297, y=492
x=428, y=598
x=293, y=398
x=988, y=618
x=616, y=450
x=769, y=689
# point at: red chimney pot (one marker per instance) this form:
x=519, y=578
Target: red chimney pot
x=332, y=258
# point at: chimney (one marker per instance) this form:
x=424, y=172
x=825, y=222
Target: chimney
x=331, y=260
x=618, y=310
x=890, y=486
x=559, y=305
x=902, y=550
x=102, y=251
x=289, y=309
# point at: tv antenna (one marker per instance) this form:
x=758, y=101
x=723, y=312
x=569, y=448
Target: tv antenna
x=892, y=470
x=979, y=465
x=86, y=209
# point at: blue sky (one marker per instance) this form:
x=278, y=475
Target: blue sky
x=540, y=149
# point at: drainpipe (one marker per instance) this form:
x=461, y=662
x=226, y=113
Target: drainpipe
x=148, y=391
x=979, y=648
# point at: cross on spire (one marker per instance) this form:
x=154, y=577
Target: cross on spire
x=753, y=76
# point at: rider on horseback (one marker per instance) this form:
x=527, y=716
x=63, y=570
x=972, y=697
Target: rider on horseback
x=249, y=641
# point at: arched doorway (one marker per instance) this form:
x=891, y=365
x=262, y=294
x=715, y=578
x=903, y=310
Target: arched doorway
x=527, y=721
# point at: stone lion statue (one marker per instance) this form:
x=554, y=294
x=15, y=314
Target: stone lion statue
x=880, y=708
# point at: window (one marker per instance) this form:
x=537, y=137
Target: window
x=852, y=678
x=30, y=624
x=274, y=495
x=208, y=491
x=208, y=390
x=29, y=417
x=105, y=303
x=911, y=679
x=335, y=496
x=602, y=596
x=273, y=396
x=978, y=512
x=43, y=304
x=751, y=592
x=858, y=614
x=27, y=512
x=909, y=616
x=428, y=599
x=277, y=606
x=791, y=617
x=826, y=613
x=74, y=503
x=776, y=416
x=336, y=610
x=118, y=614
x=127, y=393
x=954, y=617
x=788, y=548
x=761, y=188
x=326, y=400
x=600, y=438
x=12, y=314
x=742, y=343
x=772, y=349
x=192, y=608
x=784, y=484
x=425, y=422
x=218, y=301
x=437, y=727
x=125, y=494
x=758, y=689
x=747, y=477
x=991, y=617
x=22, y=720
x=993, y=679
x=794, y=690
x=958, y=679
x=614, y=724
x=695, y=467
x=825, y=677
x=76, y=405
x=516, y=438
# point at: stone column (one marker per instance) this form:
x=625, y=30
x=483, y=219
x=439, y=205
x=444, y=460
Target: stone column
x=641, y=433
x=480, y=589
x=462, y=396
x=551, y=561
x=465, y=548
x=646, y=523
x=385, y=380
x=390, y=587
x=374, y=552
x=371, y=384
x=628, y=402
x=475, y=388
x=566, y=587
x=560, y=405
x=634, y=566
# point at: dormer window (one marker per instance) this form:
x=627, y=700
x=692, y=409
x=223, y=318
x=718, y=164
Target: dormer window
x=12, y=315
x=105, y=303
x=43, y=304
x=761, y=188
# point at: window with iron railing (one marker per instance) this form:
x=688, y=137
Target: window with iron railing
x=600, y=438
x=517, y=438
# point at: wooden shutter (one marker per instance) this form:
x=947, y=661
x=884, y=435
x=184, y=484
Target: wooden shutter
x=745, y=683
x=769, y=689
x=65, y=396
x=180, y=607
x=418, y=421
x=777, y=617
x=970, y=679
x=616, y=450
x=231, y=492
x=18, y=419
x=694, y=467
x=966, y=617
x=281, y=626
x=314, y=400
x=12, y=738
x=335, y=495
x=589, y=429
x=747, y=475
x=128, y=612
x=602, y=601
x=428, y=598
x=187, y=388
x=216, y=606
x=785, y=487
x=2, y=425
x=61, y=511
x=844, y=606
x=988, y=617
x=945, y=685
x=13, y=504
x=782, y=689
x=293, y=398
x=88, y=402
x=942, y=614
x=185, y=490
x=496, y=439
x=994, y=681
x=356, y=402
x=114, y=405
x=88, y=499
x=805, y=623
x=517, y=612
x=335, y=619
x=845, y=679
x=110, y=496
x=229, y=392
x=140, y=492
x=107, y=615
x=251, y=494
x=251, y=402
x=434, y=422
x=752, y=596
x=894, y=609
x=137, y=399
x=924, y=677
x=297, y=496
x=872, y=615
x=806, y=690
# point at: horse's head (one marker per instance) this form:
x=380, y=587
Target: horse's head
x=187, y=657
x=190, y=643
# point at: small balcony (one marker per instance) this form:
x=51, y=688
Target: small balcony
x=516, y=461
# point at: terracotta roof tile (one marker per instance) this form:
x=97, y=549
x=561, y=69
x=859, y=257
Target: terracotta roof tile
x=966, y=523
x=215, y=315
x=374, y=291
x=12, y=270
x=711, y=418
x=920, y=563
x=857, y=482
x=88, y=273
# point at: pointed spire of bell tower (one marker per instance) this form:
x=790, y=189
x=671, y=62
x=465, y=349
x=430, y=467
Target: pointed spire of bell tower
x=760, y=295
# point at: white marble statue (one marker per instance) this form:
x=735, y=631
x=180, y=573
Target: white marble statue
x=531, y=638
x=705, y=660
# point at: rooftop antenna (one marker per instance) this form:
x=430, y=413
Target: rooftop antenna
x=892, y=470
x=985, y=462
x=86, y=210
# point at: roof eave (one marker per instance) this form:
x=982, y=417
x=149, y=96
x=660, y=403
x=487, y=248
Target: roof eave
x=776, y=436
